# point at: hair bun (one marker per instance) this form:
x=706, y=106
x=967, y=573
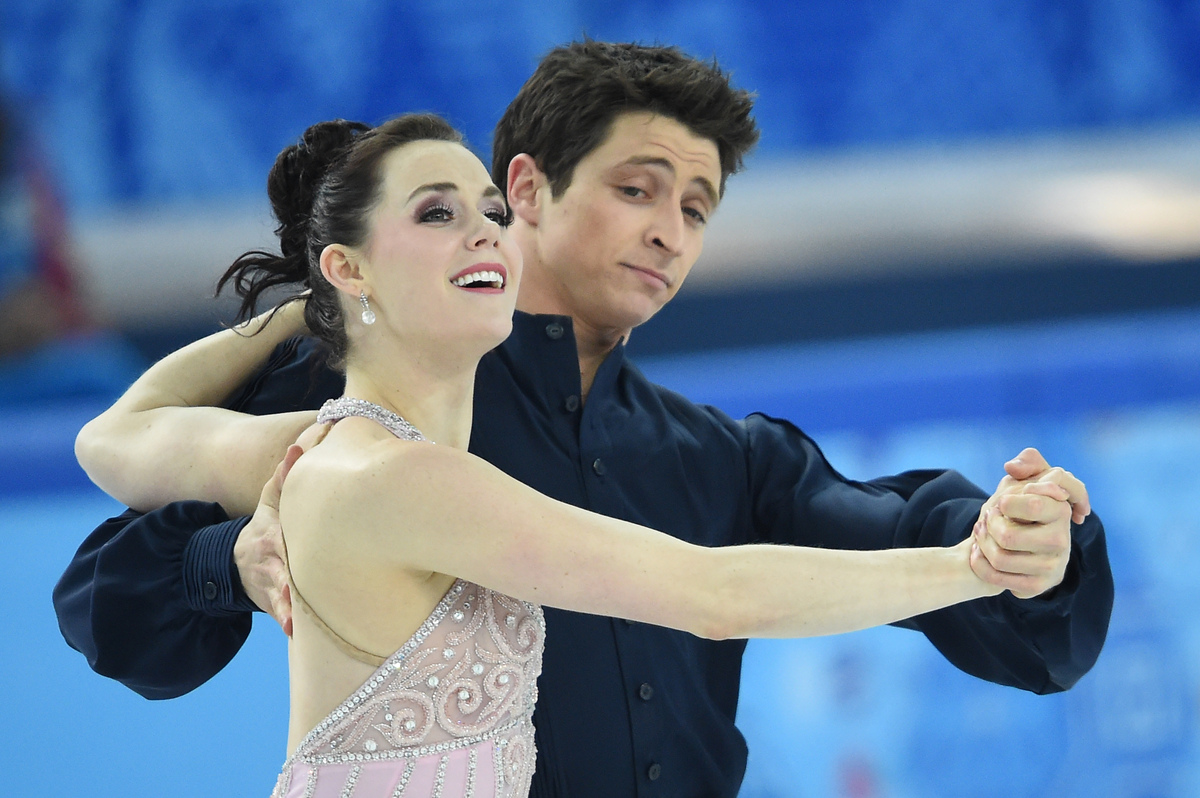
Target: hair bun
x=296, y=176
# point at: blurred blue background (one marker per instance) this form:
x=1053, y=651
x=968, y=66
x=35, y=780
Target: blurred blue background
x=969, y=228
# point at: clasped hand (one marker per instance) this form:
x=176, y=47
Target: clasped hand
x=1023, y=534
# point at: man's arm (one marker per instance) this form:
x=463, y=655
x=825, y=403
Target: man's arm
x=1043, y=644
x=135, y=599
x=149, y=602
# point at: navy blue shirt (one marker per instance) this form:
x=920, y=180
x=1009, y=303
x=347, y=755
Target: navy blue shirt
x=624, y=708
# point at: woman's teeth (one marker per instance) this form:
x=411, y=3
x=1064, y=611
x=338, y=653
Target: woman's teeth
x=489, y=279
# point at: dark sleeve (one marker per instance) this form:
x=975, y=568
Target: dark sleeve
x=1043, y=645
x=154, y=600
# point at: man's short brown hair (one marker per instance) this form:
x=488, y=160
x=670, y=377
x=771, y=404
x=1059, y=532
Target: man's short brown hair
x=566, y=109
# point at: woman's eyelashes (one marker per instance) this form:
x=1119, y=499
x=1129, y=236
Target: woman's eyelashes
x=501, y=216
x=437, y=212
x=441, y=212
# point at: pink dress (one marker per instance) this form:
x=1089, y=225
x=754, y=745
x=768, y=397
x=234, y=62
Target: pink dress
x=448, y=715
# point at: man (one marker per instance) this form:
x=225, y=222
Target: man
x=615, y=157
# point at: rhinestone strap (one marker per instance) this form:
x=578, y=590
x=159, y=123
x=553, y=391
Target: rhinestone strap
x=345, y=406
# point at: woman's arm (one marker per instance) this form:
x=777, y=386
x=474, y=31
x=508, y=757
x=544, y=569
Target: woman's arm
x=430, y=508
x=163, y=440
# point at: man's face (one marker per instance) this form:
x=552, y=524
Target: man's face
x=616, y=246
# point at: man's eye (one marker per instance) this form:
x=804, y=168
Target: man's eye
x=632, y=191
x=696, y=215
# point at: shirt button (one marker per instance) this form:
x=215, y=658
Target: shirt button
x=628, y=622
x=210, y=590
x=598, y=467
x=645, y=692
x=554, y=331
x=572, y=403
x=654, y=771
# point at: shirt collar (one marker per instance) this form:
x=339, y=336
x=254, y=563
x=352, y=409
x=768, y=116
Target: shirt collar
x=542, y=348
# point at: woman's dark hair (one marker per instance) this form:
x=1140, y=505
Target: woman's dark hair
x=566, y=109
x=322, y=190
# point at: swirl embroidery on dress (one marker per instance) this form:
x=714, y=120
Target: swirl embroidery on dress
x=482, y=671
x=467, y=678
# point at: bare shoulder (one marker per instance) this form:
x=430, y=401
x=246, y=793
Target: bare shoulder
x=361, y=470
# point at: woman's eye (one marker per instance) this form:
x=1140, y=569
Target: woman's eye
x=437, y=213
x=501, y=217
x=632, y=191
x=696, y=215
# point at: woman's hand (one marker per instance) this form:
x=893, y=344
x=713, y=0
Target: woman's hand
x=279, y=323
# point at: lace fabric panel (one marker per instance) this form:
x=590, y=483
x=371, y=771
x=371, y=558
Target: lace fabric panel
x=467, y=679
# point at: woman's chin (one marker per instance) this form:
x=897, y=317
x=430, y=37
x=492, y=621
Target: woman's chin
x=499, y=333
x=487, y=335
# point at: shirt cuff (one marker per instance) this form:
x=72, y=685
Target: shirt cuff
x=210, y=580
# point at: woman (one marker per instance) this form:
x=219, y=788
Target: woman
x=420, y=567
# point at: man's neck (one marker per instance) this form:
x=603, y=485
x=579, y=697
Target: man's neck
x=593, y=347
x=540, y=294
x=592, y=344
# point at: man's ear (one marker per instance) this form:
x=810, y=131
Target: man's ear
x=340, y=267
x=525, y=181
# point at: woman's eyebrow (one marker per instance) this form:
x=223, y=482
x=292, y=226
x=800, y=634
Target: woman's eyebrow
x=432, y=187
x=490, y=191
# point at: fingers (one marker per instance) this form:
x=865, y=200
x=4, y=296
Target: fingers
x=1041, y=504
x=1052, y=537
x=274, y=487
x=289, y=459
x=1029, y=465
x=274, y=575
x=1026, y=558
x=281, y=609
x=269, y=496
x=312, y=435
x=1026, y=465
x=1021, y=585
x=1050, y=490
x=1077, y=493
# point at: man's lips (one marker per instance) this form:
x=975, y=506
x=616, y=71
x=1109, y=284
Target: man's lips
x=649, y=274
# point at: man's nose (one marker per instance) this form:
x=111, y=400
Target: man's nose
x=667, y=231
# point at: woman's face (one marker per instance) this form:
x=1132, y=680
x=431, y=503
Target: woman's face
x=438, y=264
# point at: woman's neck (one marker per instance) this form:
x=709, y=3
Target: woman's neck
x=438, y=403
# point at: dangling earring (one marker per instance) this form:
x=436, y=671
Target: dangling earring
x=368, y=315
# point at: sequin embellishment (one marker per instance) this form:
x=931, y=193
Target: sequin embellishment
x=465, y=682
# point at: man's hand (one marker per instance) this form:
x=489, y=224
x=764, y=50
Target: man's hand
x=1030, y=466
x=1023, y=535
x=259, y=552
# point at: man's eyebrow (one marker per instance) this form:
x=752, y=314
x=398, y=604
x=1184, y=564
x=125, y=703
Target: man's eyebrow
x=650, y=160
x=490, y=191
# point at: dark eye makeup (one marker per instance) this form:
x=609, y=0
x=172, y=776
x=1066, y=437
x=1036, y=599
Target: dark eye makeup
x=436, y=212
x=439, y=210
